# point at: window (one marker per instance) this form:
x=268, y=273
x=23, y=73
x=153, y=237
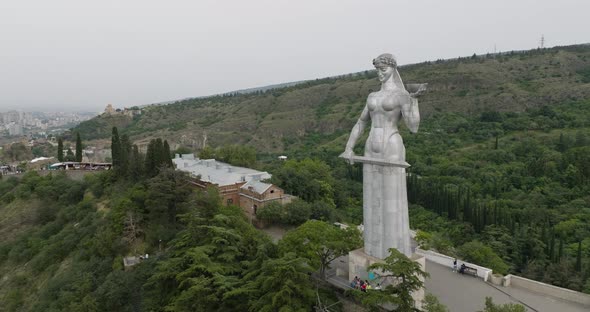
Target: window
x=272, y=191
x=230, y=201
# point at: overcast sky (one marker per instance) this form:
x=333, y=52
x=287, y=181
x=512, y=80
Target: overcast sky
x=82, y=54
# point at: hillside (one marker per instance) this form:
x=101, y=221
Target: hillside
x=274, y=119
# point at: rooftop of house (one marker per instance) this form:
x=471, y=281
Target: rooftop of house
x=256, y=186
x=217, y=172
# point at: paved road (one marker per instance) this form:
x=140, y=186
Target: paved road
x=463, y=293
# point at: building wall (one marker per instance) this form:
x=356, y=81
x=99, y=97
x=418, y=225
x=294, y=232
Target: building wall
x=230, y=194
x=251, y=201
x=248, y=200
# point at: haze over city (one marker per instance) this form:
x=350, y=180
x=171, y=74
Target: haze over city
x=72, y=55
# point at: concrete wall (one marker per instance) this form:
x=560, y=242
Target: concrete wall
x=546, y=289
x=447, y=261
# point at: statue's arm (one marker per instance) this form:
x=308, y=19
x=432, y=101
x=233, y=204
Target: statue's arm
x=357, y=130
x=411, y=114
x=410, y=110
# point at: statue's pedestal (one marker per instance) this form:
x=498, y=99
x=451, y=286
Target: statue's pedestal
x=359, y=261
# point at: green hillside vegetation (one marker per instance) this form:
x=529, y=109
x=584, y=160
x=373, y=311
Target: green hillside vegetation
x=276, y=119
x=63, y=243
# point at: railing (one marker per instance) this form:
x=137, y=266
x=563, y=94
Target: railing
x=447, y=261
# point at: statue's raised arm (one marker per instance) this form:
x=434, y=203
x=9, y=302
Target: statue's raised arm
x=410, y=110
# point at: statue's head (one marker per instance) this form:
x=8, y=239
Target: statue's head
x=385, y=65
x=385, y=59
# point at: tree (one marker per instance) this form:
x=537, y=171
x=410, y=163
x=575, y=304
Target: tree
x=431, y=304
x=483, y=255
x=115, y=148
x=60, y=149
x=136, y=164
x=320, y=243
x=509, y=307
x=296, y=212
x=70, y=155
x=309, y=179
x=283, y=285
x=271, y=212
x=124, y=156
x=78, y=147
x=150, y=159
x=166, y=154
x=405, y=277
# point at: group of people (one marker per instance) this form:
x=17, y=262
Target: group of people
x=358, y=283
x=461, y=269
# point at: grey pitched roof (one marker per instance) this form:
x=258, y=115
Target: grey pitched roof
x=257, y=186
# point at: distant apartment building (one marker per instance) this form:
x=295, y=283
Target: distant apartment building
x=15, y=129
x=238, y=186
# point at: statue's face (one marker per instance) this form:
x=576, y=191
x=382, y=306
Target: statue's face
x=384, y=72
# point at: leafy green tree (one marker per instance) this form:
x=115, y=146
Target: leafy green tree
x=478, y=253
x=283, y=285
x=60, y=149
x=70, y=155
x=323, y=210
x=207, y=153
x=431, y=304
x=296, y=212
x=78, y=147
x=406, y=277
x=271, y=213
x=309, y=179
x=167, y=196
x=320, y=243
x=509, y=307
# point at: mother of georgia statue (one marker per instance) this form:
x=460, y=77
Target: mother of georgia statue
x=385, y=200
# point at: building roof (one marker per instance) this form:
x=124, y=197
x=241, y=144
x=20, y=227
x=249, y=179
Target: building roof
x=217, y=172
x=40, y=159
x=256, y=186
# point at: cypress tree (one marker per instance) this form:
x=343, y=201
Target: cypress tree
x=136, y=164
x=115, y=148
x=125, y=153
x=60, y=149
x=159, y=153
x=150, y=159
x=168, y=156
x=78, y=147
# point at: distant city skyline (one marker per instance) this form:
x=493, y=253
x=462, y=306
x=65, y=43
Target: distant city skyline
x=67, y=55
